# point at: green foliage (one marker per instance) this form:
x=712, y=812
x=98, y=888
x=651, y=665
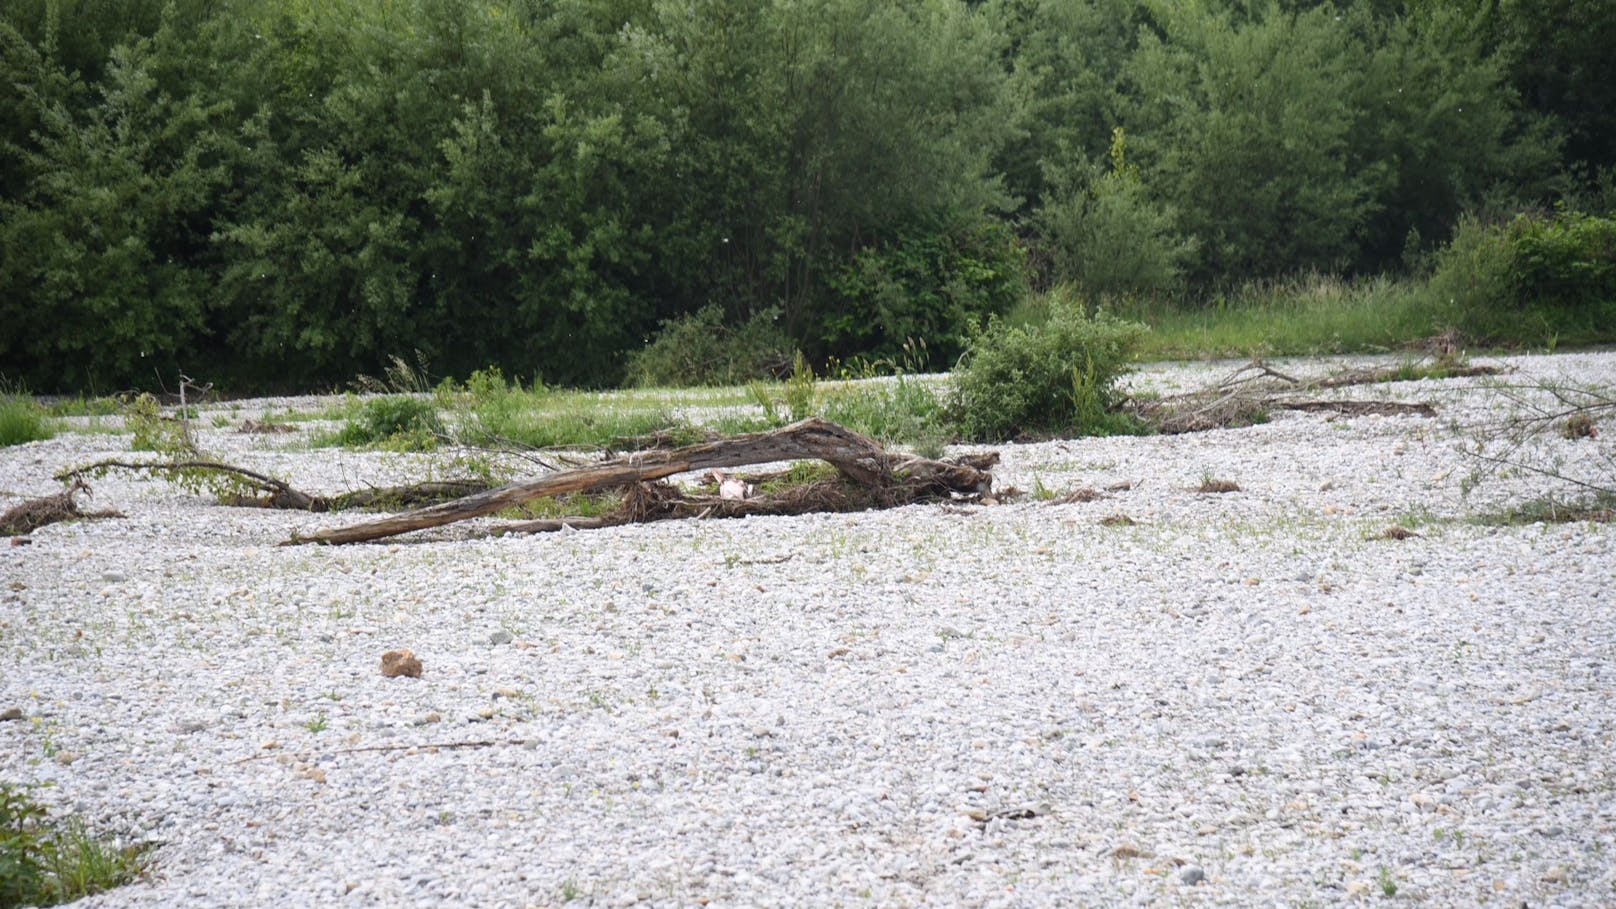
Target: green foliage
x=22, y=420
x=938, y=286
x=1055, y=377
x=44, y=864
x=901, y=410
x=1301, y=315
x=153, y=430
x=1110, y=238
x=706, y=348
x=395, y=422
x=1568, y=261
x=1535, y=278
x=285, y=193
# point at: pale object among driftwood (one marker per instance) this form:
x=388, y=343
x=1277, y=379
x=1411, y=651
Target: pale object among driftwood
x=889, y=478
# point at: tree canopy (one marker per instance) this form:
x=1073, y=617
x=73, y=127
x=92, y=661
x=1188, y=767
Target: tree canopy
x=284, y=193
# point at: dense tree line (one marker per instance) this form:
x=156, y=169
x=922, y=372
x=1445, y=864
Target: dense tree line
x=286, y=192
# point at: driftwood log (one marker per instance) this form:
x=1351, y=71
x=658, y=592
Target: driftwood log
x=886, y=478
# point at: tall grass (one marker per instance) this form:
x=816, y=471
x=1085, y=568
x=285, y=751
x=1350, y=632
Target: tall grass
x=1299, y=316
x=22, y=420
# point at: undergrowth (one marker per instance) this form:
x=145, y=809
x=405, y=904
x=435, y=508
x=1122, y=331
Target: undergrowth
x=22, y=420
x=45, y=862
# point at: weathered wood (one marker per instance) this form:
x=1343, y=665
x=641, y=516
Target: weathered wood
x=1358, y=408
x=888, y=477
x=264, y=491
x=32, y=514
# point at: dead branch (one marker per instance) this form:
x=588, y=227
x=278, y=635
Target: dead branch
x=1358, y=408
x=32, y=514
x=264, y=491
x=1248, y=394
x=886, y=479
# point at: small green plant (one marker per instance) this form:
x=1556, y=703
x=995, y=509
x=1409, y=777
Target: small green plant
x=44, y=863
x=1388, y=886
x=155, y=431
x=317, y=724
x=800, y=388
x=21, y=420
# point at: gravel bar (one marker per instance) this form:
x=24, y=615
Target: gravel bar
x=1238, y=699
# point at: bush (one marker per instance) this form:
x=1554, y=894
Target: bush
x=704, y=348
x=939, y=287
x=1534, y=278
x=1054, y=377
x=397, y=422
x=21, y=420
x=1567, y=261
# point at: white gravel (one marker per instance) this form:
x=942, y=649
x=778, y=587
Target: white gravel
x=1243, y=699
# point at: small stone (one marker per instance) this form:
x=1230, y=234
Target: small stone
x=428, y=718
x=66, y=757
x=1190, y=875
x=10, y=713
x=114, y=577
x=500, y=637
x=506, y=693
x=397, y=663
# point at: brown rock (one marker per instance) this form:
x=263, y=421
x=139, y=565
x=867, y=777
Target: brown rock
x=401, y=662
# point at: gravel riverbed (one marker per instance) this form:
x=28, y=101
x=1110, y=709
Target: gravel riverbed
x=1242, y=699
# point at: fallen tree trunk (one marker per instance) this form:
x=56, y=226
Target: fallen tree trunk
x=885, y=477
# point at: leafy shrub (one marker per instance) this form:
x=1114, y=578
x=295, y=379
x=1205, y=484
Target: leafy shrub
x=21, y=420
x=1057, y=376
x=155, y=431
x=704, y=348
x=396, y=421
x=1568, y=261
x=939, y=286
x=1558, y=272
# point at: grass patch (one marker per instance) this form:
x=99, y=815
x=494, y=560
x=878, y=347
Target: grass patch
x=85, y=407
x=22, y=420
x=1302, y=316
x=1598, y=509
x=45, y=862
